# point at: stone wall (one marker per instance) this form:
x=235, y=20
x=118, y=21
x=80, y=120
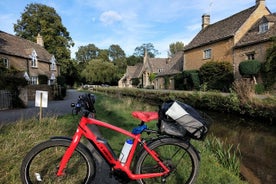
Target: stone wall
x=32, y=90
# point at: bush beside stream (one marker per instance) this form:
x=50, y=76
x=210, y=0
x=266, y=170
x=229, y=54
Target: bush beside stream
x=262, y=107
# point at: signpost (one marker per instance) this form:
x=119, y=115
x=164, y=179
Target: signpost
x=41, y=100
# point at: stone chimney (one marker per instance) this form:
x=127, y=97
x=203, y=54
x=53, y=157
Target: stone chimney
x=260, y=2
x=145, y=56
x=205, y=20
x=39, y=40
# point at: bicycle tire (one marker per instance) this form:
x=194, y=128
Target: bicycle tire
x=179, y=156
x=41, y=164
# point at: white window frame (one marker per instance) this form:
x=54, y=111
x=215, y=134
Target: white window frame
x=250, y=55
x=263, y=27
x=33, y=56
x=207, y=54
x=34, y=80
x=53, y=63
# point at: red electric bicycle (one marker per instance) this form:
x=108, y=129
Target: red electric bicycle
x=161, y=158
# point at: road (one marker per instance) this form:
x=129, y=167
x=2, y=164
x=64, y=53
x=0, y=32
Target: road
x=57, y=108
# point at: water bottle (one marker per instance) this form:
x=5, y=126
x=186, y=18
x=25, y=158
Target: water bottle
x=125, y=151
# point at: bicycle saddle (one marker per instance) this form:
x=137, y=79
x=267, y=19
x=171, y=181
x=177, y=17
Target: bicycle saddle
x=145, y=116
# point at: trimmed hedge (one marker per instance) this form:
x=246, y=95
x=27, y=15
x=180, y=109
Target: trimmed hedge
x=222, y=102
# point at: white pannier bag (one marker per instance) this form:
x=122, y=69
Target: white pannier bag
x=188, y=118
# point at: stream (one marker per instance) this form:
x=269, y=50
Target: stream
x=256, y=140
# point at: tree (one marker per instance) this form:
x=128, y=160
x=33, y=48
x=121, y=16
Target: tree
x=140, y=51
x=118, y=56
x=87, y=53
x=250, y=68
x=133, y=60
x=175, y=47
x=98, y=71
x=103, y=55
x=44, y=20
x=116, y=52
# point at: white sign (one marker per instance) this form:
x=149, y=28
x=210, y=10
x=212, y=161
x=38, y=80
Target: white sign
x=41, y=98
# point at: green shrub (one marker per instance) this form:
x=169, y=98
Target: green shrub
x=187, y=80
x=259, y=88
x=217, y=75
x=268, y=68
x=249, y=68
x=42, y=79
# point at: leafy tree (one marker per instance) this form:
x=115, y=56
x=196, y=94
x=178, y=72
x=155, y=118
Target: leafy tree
x=175, y=47
x=87, y=53
x=217, y=75
x=140, y=51
x=73, y=70
x=116, y=52
x=133, y=60
x=98, y=71
x=103, y=55
x=118, y=57
x=250, y=68
x=44, y=20
x=268, y=68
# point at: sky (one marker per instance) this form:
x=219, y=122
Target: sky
x=130, y=23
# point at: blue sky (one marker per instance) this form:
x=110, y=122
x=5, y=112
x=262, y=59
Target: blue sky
x=130, y=23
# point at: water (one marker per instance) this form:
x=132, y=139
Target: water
x=257, y=142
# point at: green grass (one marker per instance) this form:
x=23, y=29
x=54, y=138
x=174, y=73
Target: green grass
x=17, y=139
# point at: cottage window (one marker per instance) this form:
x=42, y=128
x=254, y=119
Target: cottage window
x=207, y=54
x=263, y=27
x=250, y=56
x=34, y=80
x=160, y=70
x=53, y=63
x=33, y=56
x=5, y=62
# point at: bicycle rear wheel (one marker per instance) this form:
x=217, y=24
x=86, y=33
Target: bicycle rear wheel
x=40, y=165
x=179, y=156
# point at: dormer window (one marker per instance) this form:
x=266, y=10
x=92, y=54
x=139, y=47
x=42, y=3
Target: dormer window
x=53, y=63
x=263, y=27
x=33, y=56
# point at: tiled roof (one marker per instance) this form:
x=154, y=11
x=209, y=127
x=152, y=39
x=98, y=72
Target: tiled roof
x=16, y=46
x=174, y=66
x=220, y=30
x=254, y=36
x=157, y=63
x=134, y=71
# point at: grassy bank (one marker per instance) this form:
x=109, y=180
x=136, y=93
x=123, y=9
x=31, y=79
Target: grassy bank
x=17, y=139
x=261, y=107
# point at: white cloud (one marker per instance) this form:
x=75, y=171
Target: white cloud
x=109, y=17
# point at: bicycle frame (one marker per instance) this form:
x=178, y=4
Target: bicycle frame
x=83, y=130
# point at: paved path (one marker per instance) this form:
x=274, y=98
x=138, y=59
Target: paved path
x=56, y=108
x=59, y=107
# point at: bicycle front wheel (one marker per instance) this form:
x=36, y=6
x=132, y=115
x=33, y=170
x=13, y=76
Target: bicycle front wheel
x=180, y=157
x=40, y=165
